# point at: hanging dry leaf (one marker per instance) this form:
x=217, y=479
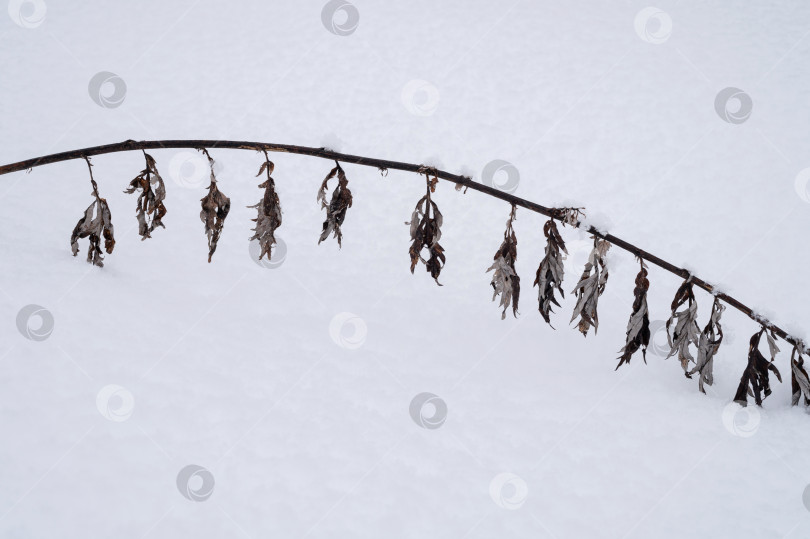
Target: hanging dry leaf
x=269, y=211
x=150, y=203
x=426, y=223
x=94, y=225
x=215, y=208
x=708, y=345
x=685, y=330
x=336, y=208
x=505, y=280
x=799, y=378
x=638, y=327
x=755, y=374
x=550, y=272
x=590, y=287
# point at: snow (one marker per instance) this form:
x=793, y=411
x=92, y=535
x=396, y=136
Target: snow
x=279, y=396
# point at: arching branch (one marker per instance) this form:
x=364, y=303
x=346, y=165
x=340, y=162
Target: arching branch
x=384, y=165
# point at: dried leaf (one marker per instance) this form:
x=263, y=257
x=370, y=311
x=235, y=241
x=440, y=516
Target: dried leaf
x=708, y=345
x=336, y=209
x=426, y=223
x=94, y=225
x=755, y=374
x=150, y=203
x=505, y=280
x=638, y=327
x=551, y=271
x=772, y=348
x=799, y=378
x=269, y=211
x=215, y=208
x=685, y=330
x=591, y=285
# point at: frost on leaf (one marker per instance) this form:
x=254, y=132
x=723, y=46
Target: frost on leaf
x=269, y=211
x=336, y=208
x=550, y=272
x=590, y=287
x=505, y=280
x=150, y=203
x=709, y=343
x=215, y=208
x=638, y=327
x=755, y=374
x=799, y=378
x=426, y=223
x=94, y=225
x=682, y=328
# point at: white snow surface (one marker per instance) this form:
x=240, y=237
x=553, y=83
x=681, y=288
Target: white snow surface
x=292, y=385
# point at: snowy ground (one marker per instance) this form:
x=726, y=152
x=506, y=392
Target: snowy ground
x=297, y=413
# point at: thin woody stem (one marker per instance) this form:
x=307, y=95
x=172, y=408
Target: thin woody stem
x=383, y=165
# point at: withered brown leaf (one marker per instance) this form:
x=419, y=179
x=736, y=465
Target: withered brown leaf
x=708, y=345
x=638, y=327
x=755, y=374
x=426, y=222
x=800, y=381
x=591, y=285
x=505, y=280
x=94, y=225
x=550, y=273
x=215, y=208
x=685, y=330
x=336, y=209
x=150, y=203
x=269, y=211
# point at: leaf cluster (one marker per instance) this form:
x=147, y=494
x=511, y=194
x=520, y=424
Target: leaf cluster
x=268, y=217
x=682, y=328
x=96, y=223
x=215, y=208
x=150, y=202
x=505, y=280
x=336, y=209
x=591, y=285
x=638, y=327
x=426, y=223
x=755, y=380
